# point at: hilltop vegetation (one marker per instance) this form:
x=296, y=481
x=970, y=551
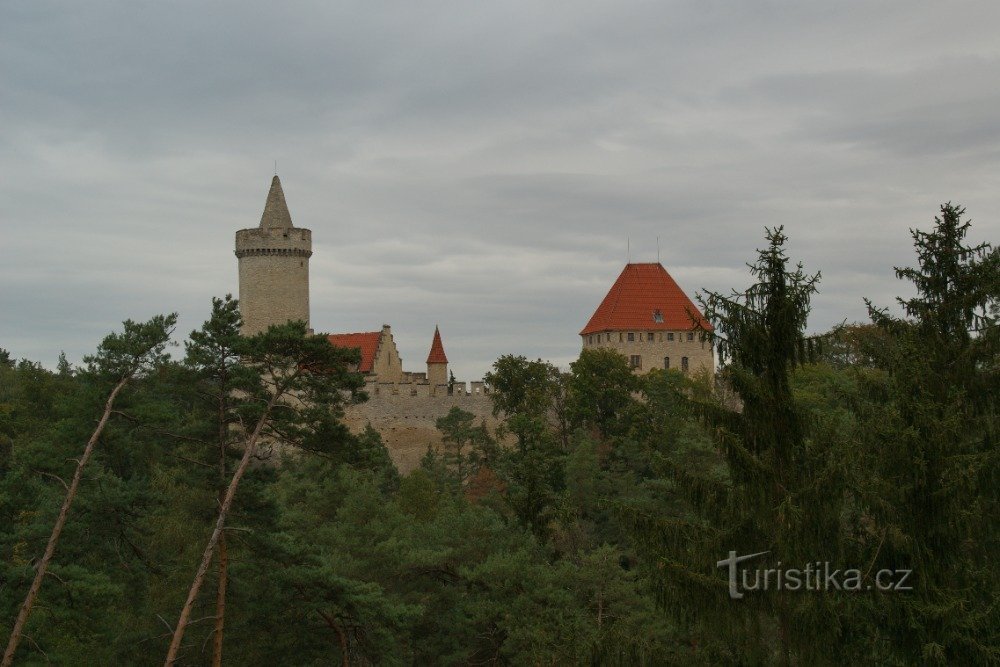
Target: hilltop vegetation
x=593, y=538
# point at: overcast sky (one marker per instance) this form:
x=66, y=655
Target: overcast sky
x=477, y=165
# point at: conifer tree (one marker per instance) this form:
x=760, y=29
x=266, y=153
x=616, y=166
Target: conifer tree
x=120, y=359
x=300, y=378
x=779, y=489
x=931, y=427
x=213, y=352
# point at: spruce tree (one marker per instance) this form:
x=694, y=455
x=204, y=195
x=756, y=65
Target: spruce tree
x=931, y=431
x=778, y=491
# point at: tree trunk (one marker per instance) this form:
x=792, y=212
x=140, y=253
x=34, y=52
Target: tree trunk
x=220, y=601
x=50, y=548
x=220, y=523
x=220, y=595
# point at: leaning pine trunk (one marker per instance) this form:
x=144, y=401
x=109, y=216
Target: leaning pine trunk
x=43, y=565
x=220, y=595
x=220, y=523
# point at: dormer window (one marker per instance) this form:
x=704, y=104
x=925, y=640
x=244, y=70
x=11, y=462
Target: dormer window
x=658, y=316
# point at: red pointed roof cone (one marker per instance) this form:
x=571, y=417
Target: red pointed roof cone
x=645, y=297
x=437, y=355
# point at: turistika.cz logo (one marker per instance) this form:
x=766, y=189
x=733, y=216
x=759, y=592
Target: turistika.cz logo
x=815, y=576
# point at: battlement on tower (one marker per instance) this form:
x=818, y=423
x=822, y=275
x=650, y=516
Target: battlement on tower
x=274, y=241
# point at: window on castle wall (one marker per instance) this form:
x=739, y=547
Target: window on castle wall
x=635, y=361
x=666, y=362
x=651, y=336
x=684, y=364
x=690, y=336
x=631, y=337
x=619, y=338
x=670, y=337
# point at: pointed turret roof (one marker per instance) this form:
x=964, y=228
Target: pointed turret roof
x=275, y=209
x=645, y=297
x=437, y=355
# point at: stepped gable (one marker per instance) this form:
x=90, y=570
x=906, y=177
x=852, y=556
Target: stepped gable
x=645, y=297
x=437, y=355
x=276, y=213
x=367, y=342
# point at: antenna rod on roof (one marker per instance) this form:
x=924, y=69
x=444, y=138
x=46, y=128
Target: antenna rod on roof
x=657, y=249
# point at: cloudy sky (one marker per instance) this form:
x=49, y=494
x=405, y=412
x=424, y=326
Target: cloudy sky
x=481, y=166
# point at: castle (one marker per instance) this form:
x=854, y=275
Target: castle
x=403, y=406
x=645, y=316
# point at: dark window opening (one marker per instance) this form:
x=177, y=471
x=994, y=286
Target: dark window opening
x=684, y=364
x=635, y=361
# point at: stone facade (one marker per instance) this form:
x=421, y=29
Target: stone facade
x=406, y=414
x=686, y=351
x=387, y=365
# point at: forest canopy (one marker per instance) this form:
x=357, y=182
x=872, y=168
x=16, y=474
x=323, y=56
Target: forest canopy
x=214, y=509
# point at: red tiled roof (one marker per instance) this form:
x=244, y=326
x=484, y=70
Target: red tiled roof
x=367, y=342
x=437, y=355
x=632, y=303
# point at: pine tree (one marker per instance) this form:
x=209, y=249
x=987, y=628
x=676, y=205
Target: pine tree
x=299, y=384
x=214, y=353
x=120, y=359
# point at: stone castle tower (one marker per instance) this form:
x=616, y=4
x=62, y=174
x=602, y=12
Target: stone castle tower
x=274, y=267
x=437, y=362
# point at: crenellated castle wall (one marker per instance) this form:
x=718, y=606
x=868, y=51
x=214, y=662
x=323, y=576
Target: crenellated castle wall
x=405, y=414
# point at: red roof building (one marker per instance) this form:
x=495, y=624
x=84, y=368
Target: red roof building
x=645, y=297
x=647, y=317
x=367, y=342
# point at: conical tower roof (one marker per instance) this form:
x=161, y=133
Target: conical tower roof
x=645, y=297
x=437, y=355
x=275, y=209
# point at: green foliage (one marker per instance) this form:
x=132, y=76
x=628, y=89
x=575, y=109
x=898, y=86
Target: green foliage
x=586, y=530
x=930, y=426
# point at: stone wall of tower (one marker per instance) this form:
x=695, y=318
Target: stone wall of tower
x=437, y=374
x=654, y=347
x=274, y=276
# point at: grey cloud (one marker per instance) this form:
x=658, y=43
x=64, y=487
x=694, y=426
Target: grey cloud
x=476, y=166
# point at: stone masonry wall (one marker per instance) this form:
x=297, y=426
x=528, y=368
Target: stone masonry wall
x=274, y=276
x=654, y=346
x=405, y=415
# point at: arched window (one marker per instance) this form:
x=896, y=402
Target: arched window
x=684, y=364
x=666, y=362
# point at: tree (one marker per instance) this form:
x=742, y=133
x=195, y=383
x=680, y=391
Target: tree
x=780, y=487
x=931, y=425
x=214, y=354
x=301, y=377
x=465, y=445
x=600, y=391
x=120, y=359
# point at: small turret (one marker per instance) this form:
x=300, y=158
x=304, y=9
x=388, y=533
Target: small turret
x=437, y=363
x=274, y=267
